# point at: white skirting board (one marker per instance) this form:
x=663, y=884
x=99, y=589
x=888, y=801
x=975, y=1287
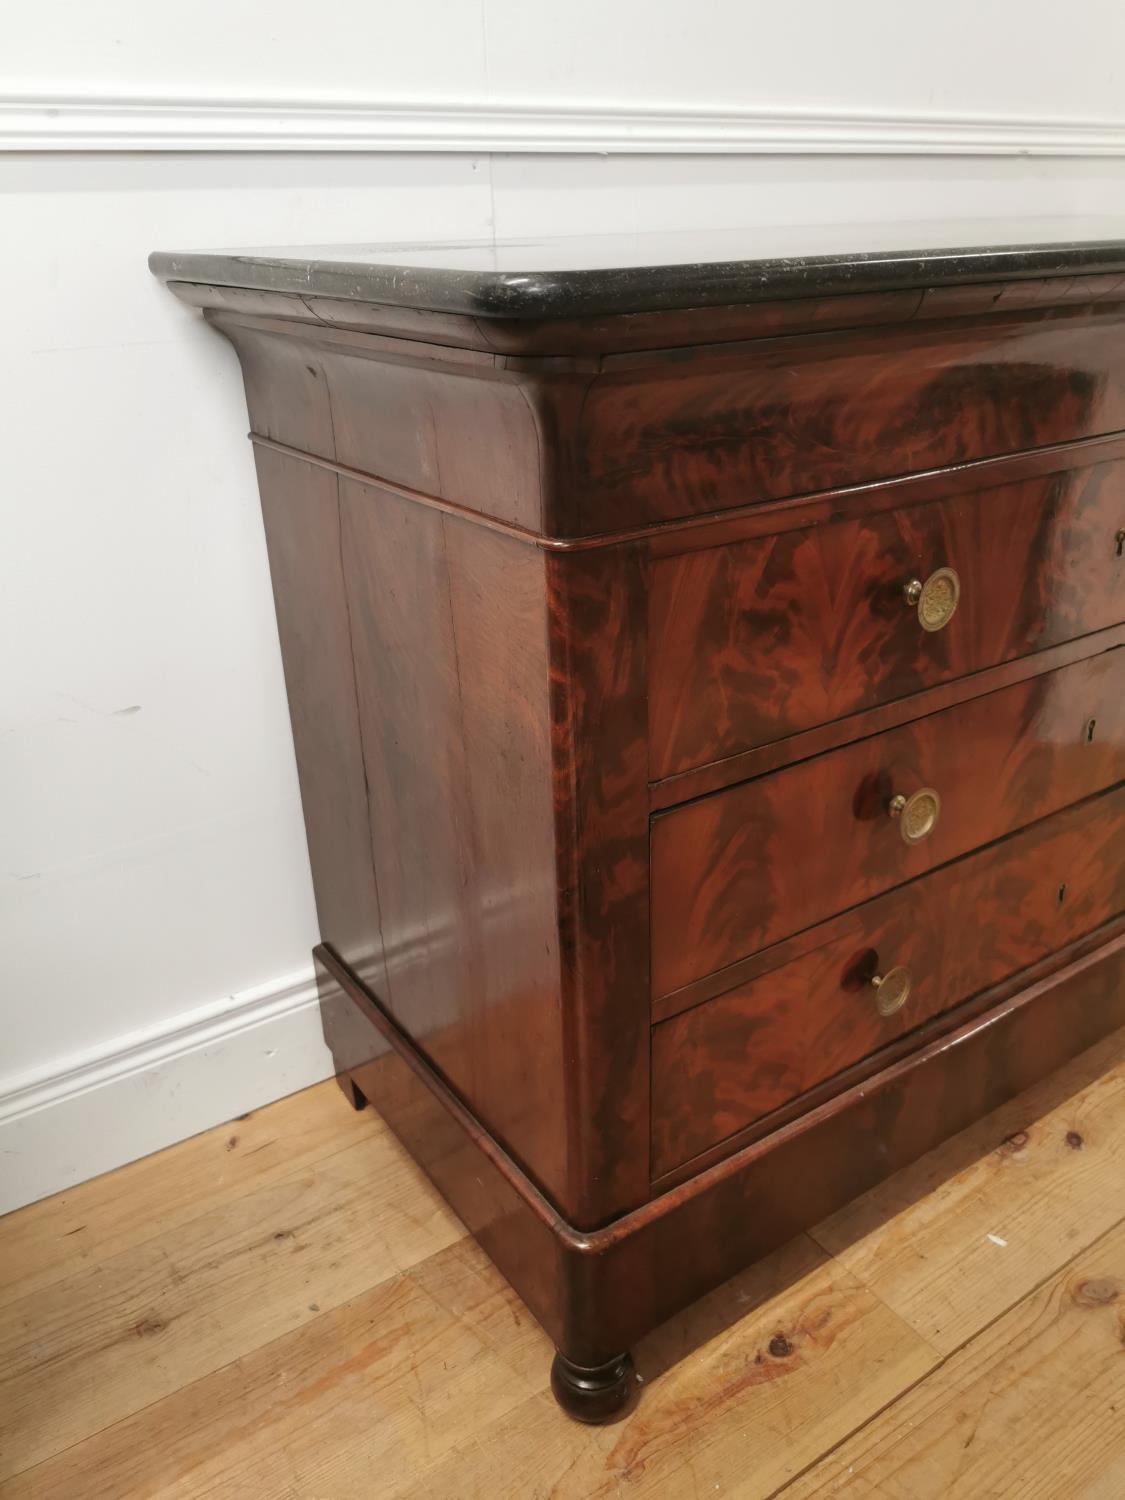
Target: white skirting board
x=99, y=1109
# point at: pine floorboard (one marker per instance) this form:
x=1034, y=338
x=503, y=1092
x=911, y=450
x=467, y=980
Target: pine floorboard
x=284, y=1307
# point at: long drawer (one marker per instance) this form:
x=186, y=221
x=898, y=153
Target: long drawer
x=761, y=639
x=724, y=1064
x=737, y=871
x=694, y=430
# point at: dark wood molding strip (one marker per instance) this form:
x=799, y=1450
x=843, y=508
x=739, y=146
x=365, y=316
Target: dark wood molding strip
x=762, y=518
x=688, y=786
x=372, y=481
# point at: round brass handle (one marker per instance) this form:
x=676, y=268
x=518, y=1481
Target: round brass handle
x=936, y=599
x=892, y=990
x=917, y=815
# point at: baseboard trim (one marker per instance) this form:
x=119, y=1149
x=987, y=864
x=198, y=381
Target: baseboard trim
x=132, y=123
x=94, y=1110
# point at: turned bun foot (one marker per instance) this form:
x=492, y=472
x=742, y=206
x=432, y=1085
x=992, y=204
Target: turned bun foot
x=593, y=1394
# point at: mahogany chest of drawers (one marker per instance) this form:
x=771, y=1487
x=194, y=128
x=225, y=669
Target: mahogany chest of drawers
x=707, y=696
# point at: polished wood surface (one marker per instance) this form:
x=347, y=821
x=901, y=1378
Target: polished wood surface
x=573, y=445
x=493, y=706
x=365, y=1340
x=449, y=636
x=730, y=1060
x=602, y=679
x=753, y=1201
x=302, y=520
x=754, y=642
x=823, y=830
x=598, y=683
x=324, y=393
x=596, y=1292
x=715, y=427
x=673, y=790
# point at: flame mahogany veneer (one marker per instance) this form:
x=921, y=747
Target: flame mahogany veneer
x=998, y=762
x=726, y=1062
x=601, y=679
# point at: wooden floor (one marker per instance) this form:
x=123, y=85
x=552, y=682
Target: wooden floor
x=283, y=1307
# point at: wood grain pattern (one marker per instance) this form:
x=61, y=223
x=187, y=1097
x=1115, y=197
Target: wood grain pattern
x=187, y=1301
x=757, y=641
x=442, y=421
x=795, y=747
x=355, y=1401
x=422, y=1378
x=763, y=518
x=743, y=869
x=1002, y=1416
x=1042, y=1173
x=598, y=683
x=739, y=1392
x=725, y=1063
x=500, y=1207
x=766, y=518
x=85, y=1226
x=301, y=512
x=520, y=582
x=449, y=632
x=496, y=438
x=488, y=821
x=757, y=1198
x=571, y=445
x=723, y=426
x=401, y=1383
x=596, y=1292
x=997, y=998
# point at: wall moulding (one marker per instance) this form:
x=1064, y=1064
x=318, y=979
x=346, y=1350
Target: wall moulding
x=128, y=123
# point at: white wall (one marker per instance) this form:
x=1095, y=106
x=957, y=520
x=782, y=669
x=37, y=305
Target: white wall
x=961, y=56
x=154, y=874
x=1003, y=63
x=155, y=904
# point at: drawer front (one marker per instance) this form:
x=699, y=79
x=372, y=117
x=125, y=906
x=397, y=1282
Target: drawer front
x=761, y=639
x=696, y=430
x=726, y=1063
x=737, y=871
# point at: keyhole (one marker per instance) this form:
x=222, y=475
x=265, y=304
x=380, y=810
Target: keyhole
x=1062, y=893
x=1091, y=725
x=1120, y=540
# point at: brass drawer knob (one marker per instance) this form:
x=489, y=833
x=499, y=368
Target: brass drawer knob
x=936, y=599
x=917, y=815
x=892, y=990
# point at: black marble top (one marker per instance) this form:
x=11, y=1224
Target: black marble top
x=592, y=275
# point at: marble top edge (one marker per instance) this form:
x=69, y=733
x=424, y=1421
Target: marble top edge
x=596, y=275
